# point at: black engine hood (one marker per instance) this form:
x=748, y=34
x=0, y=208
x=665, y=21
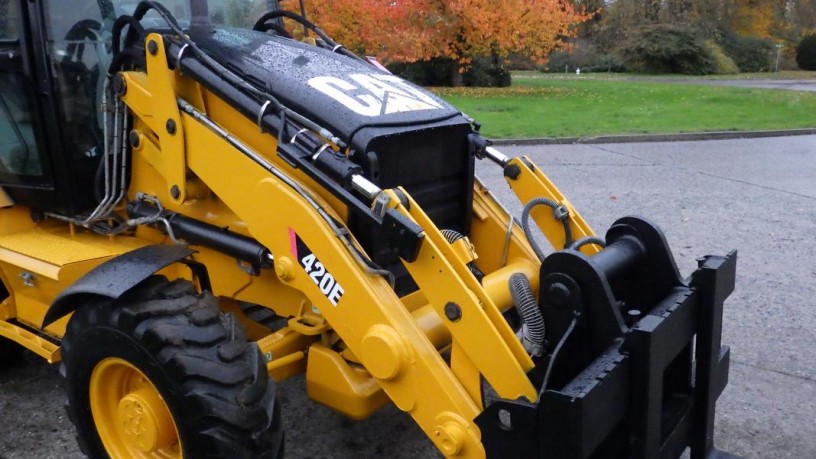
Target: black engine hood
x=341, y=93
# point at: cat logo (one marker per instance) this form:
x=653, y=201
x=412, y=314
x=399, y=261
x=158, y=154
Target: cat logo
x=375, y=94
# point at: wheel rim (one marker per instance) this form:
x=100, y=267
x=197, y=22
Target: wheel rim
x=130, y=414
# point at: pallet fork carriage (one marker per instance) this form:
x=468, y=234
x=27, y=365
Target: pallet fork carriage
x=193, y=211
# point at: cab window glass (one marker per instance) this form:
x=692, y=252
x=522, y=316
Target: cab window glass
x=229, y=13
x=239, y=13
x=80, y=53
x=8, y=20
x=19, y=157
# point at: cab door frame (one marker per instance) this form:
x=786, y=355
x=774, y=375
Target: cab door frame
x=64, y=192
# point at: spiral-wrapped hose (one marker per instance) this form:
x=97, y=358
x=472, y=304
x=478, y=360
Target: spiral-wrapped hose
x=452, y=235
x=532, y=331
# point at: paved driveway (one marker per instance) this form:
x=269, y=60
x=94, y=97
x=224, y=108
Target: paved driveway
x=790, y=85
x=758, y=196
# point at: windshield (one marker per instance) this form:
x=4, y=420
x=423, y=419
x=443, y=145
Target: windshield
x=64, y=15
x=230, y=13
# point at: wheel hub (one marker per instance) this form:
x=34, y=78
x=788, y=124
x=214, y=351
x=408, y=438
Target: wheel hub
x=144, y=421
x=131, y=416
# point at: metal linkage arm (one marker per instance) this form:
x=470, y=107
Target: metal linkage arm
x=563, y=225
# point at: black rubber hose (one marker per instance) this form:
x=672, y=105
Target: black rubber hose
x=587, y=240
x=335, y=47
x=563, y=217
x=533, y=330
x=278, y=30
x=295, y=17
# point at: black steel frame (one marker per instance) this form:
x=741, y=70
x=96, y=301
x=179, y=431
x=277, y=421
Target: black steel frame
x=648, y=391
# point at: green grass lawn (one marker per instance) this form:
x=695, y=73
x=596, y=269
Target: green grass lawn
x=549, y=107
x=781, y=75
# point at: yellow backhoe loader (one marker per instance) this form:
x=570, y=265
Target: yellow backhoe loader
x=193, y=210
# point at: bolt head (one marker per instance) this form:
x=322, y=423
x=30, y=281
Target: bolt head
x=171, y=126
x=284, y=268
x=153, y=47
x=512, y=172
x=134, y=139
x=558, y=294
x=119, y=85
x=175, y=192
x=453, y=312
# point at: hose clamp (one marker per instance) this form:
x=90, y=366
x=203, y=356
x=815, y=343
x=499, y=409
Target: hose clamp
x=561, y=212
x=298, y=133
x=181, y=53
x=262, y=113
x=319, y=152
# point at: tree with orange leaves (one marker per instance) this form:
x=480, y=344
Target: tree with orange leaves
x=417, y=30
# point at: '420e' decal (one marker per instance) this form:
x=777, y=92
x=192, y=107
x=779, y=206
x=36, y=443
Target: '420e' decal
x=316, y=270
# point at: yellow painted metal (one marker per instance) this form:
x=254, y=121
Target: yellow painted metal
x=285, y=364
x=428, y=320
x=496, y=284
x=281, y=344
x=46, y=251
x=15, y=219
x=489, y=231
x=130, y=415
x=309, y=324
x=42, y=347
x=37, y=264
x=166, y=115
x=482, y=331
x=467, y=371
x=531, y=184
x=7, y=308
x=5, y=200
x=331, y=381
x=464, y=250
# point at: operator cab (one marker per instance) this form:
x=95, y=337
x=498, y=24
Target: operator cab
x=54, y=55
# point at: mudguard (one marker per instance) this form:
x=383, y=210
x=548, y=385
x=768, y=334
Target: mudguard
x=115, y=277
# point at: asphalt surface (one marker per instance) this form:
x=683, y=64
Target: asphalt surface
x=764, y=83
x=757, y=195
x=790, y=85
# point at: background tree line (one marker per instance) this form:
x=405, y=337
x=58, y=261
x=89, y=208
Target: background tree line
x=474, y=42
x=689, y=36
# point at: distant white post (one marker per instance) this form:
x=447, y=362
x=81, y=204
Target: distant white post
x=779, y=47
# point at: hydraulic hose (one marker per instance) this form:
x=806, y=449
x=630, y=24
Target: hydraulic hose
x=532, y=330
x=451, y=235
x=587, y=240
x=559, y=212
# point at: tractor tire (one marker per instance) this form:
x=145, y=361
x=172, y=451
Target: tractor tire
x=263, y=316
x=162, y=372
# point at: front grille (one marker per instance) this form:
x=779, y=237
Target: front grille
x=435, y=168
